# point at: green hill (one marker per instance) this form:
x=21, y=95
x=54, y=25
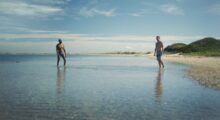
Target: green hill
x=205, y=47
x=175, y=48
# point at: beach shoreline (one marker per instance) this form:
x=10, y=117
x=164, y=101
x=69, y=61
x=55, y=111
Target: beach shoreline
x=206, y=70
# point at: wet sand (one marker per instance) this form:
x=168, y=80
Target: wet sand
x=206, y=70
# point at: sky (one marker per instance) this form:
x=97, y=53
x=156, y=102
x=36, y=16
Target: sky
x=100, y=26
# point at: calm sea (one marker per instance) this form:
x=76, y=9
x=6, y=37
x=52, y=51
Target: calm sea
x=101, y=88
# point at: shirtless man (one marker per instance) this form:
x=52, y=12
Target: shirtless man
x=60, y=52
x=159, y=51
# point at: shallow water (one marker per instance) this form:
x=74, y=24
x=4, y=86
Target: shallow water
x=101, y=88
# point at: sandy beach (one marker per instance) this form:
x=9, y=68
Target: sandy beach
x=206, y=70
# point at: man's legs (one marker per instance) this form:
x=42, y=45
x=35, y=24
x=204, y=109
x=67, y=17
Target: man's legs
x=64, y=59
x=160, y=62
x=58, y=59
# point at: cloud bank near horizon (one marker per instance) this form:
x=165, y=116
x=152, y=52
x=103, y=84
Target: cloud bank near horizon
x=85, y=43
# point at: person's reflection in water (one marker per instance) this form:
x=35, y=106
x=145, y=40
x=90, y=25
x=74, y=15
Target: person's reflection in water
x=60, y=84
x=61, y=72
x=158, y=109
x=159, y=86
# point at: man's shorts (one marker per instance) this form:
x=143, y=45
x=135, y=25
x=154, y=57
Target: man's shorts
x=60, y=54
x=159, y=54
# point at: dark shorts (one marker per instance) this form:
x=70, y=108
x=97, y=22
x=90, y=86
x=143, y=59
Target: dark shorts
x=159, y=54
x=60, y=54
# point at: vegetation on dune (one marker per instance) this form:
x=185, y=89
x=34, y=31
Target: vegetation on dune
x=206, y=44
x=204, y=47
x=176, y=47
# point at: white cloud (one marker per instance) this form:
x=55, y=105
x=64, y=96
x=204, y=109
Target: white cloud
x=96, y=12
x=116, y=38
x=57, y=2
x=25, y=9
x=144, y=12
x=31, y=30
x=215, y=9
x=154, y=9
x=171, y=9
x=40, y=36
x=41, y=2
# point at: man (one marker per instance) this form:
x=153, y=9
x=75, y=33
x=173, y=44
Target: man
x=60, y=52
x=159, y=51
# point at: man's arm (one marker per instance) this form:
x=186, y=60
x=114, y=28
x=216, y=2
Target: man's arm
x=162, y=50
x=64, y=50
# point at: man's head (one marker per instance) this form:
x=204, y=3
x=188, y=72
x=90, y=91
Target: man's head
x=158, y=38
x=59, y=40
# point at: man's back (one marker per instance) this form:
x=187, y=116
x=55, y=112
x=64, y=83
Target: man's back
x=159, y=46
x=59, y=47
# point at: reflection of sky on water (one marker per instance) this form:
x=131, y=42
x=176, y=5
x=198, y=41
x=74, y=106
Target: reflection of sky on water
x=101, y=87
x=61, y=72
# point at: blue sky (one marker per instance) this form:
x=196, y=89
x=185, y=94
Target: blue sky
x=90, y=26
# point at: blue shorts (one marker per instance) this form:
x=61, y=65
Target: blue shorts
x=159, y=54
